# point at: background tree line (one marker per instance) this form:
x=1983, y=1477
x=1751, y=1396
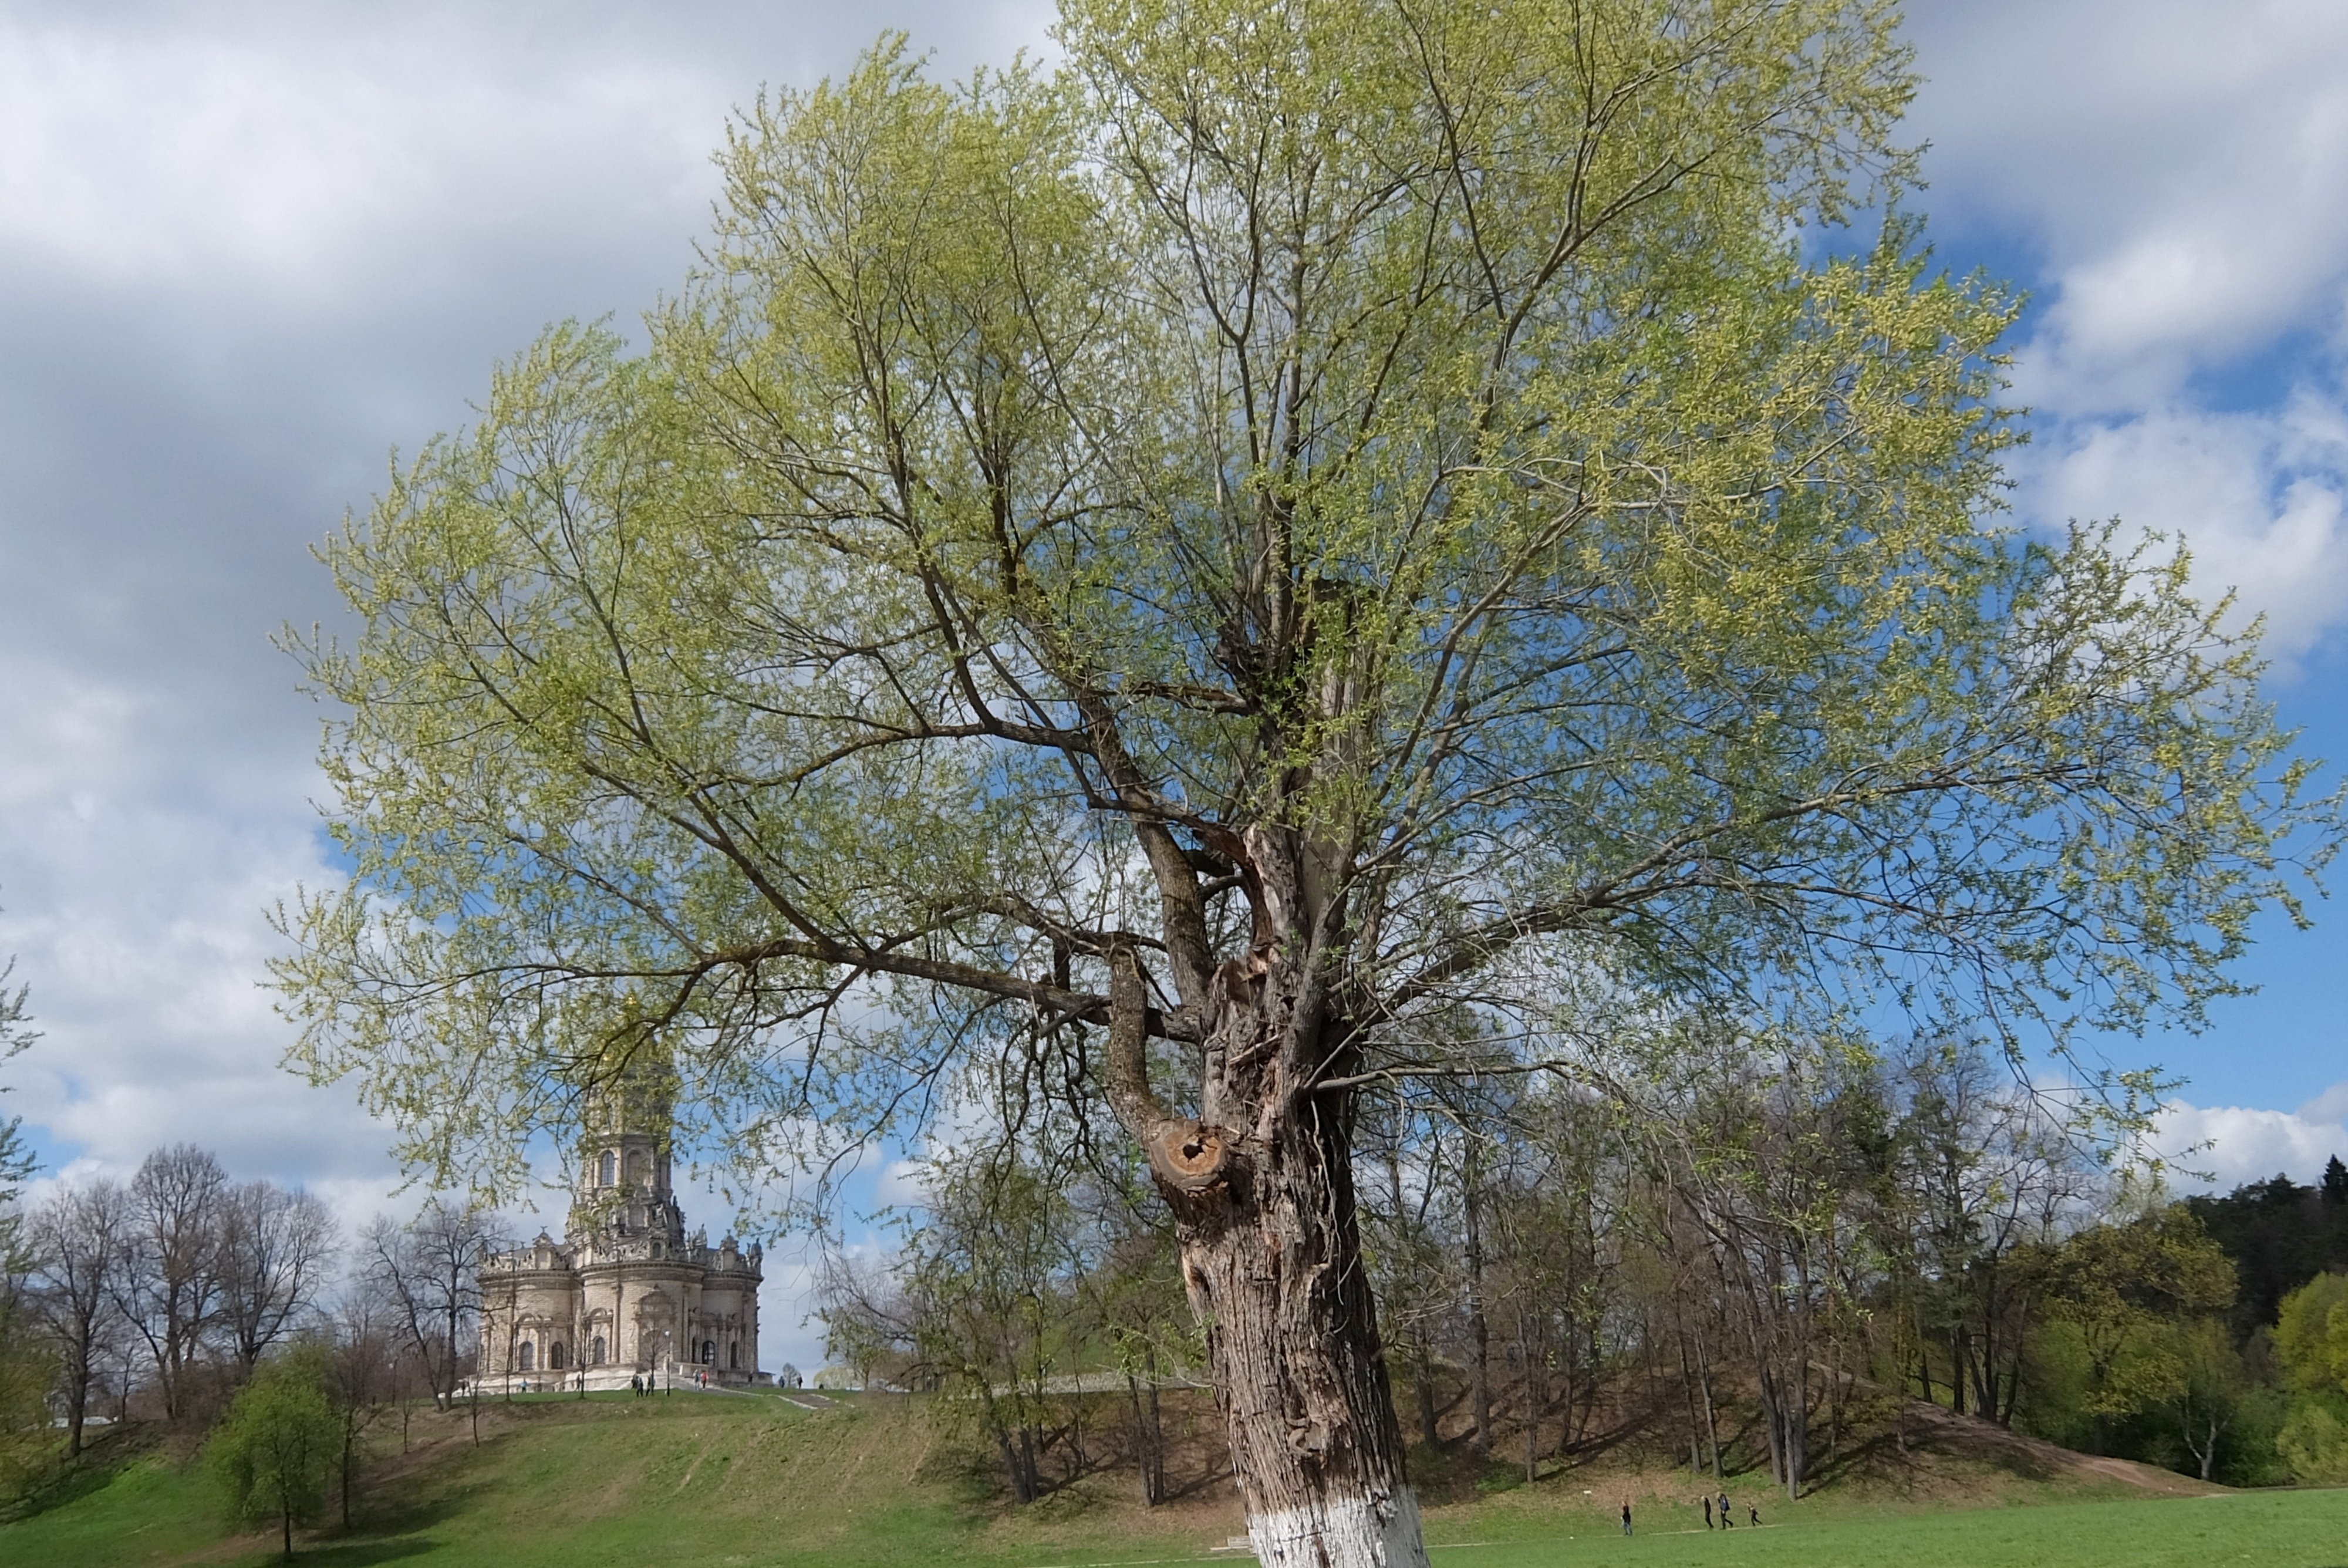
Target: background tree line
x=1759, y=1258
x=186, y=1308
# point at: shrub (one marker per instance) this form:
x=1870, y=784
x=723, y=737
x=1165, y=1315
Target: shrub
x=2314, y=1438
x=273, y=1453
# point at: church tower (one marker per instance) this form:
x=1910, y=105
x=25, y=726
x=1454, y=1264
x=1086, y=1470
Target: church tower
x=627, y=1293
x=623, y=1191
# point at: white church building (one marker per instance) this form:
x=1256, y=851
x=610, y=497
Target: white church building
x=625, y=1293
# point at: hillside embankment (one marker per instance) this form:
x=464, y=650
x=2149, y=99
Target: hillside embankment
x=689, y=1480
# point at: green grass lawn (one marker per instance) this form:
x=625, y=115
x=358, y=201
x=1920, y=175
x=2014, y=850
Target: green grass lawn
x=704, y=1482
x=2273, y=1529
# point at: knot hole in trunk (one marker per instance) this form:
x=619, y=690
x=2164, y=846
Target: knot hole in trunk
x=1190, y=1156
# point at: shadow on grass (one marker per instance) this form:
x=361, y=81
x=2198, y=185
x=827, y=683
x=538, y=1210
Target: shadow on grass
x=63, y=1479
x=403, y=1506
x=362, y=1553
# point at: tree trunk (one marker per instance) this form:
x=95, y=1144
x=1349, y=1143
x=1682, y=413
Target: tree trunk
x=1422, y=1376
x=1711, y=1409
x=2019, y=1337
x=1261, y=1186
x=1017, y=1467
x=1985, y=1374
x=1149, y=1438
x=1533, y=1395
x=1687, y=1389
x=1798, y=1429
x=1157, y=1441
x=1272, y=1264
x=1773, y=1421
x=1479, y=1334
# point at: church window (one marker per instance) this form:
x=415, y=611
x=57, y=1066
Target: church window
x=609, y=1169
x=734, y=1356
x=527, y=1360
x=635, y=1165
x=595, y=1352
x=557, y=1358
x=709, y=1352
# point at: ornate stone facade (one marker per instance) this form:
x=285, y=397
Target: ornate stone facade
x=625, y=1292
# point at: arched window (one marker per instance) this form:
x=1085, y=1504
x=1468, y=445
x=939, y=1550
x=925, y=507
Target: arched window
x=557, y=1358
x=734, y=1356
x=636, y=1165
x=525, y=1358
x=709, y=1353
x=595, y=1352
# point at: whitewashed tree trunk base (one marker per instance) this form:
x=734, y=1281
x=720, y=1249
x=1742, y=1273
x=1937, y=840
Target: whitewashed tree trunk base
x=1343, y=1532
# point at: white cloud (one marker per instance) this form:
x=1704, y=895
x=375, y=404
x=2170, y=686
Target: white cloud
x=2175, y=171
x=244, y=251
x=2181, y=164
x=2234, y=1144
x=904, y=1183
x=272, y=158
x=133, y=897
x=2258, y=497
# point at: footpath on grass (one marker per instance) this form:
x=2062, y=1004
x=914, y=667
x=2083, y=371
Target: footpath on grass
x=690, y=1482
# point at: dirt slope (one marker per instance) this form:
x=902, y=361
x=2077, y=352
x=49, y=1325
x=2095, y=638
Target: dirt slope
x=1969, y=1437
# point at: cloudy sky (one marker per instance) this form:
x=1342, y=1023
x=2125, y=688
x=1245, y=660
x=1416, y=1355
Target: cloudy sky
x=247, y=249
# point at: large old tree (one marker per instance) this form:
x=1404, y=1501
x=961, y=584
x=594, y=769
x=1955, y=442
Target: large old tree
x=1216, y=573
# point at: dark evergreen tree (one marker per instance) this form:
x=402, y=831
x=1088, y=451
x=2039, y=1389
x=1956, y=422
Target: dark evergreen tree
x=2281, y=1234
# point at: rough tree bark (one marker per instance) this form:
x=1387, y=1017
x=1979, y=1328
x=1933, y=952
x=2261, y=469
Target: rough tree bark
x=1261, y=1185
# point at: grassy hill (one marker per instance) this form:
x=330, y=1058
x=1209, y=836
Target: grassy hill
x=709, y=1481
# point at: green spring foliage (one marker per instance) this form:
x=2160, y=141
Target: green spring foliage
x=274, y=1452
x=1433, y=436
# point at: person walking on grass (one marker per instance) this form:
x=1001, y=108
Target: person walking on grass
x=1626, y=1518
x=1727, y=1520
x=1753, y=1514
x=1707, y=1511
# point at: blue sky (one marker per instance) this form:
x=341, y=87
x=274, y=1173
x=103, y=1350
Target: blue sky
x=247, y=249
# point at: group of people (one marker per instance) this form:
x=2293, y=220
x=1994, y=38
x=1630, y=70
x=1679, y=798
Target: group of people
x=641, y=1384
x=1727, y=1519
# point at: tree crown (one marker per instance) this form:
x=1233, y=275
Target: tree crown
x=1397, y=490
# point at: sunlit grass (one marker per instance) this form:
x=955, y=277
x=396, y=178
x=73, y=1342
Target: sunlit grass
x=707, y=1482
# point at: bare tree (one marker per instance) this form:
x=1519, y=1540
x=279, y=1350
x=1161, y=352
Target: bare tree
x=170, y=1291
x=80, y=1240
x=429, y=1272
x=16, y=1163
x=1988, y=1170
x=363, y=1371
x=275, y=1247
